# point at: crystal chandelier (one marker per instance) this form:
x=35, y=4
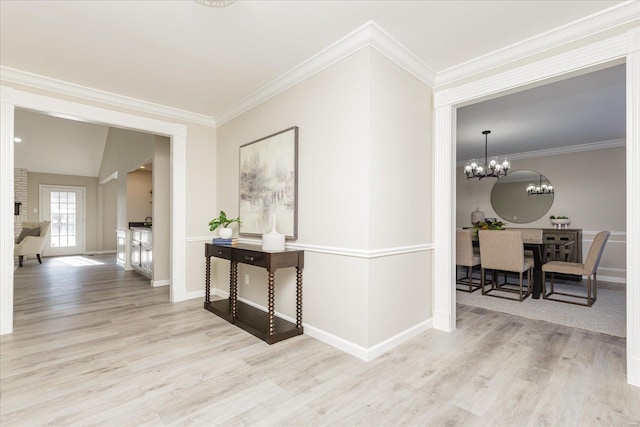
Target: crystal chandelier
x=491, y=168
x=215, y=3
x=541, y=188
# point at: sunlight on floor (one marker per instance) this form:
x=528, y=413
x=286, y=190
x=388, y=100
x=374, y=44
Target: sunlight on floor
x=75, y=261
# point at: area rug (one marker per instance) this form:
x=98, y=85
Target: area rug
x=607, y=315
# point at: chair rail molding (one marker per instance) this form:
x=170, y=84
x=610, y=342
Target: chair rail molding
x=622, y=47
x=11, y=98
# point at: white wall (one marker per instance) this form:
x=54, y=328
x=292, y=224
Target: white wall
x=400, y=208
x=590, y=188
x=161, y=209
x=332, y=111
x=364, y=147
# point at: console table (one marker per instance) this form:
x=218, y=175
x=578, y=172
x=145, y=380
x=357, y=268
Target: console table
x=266, y=326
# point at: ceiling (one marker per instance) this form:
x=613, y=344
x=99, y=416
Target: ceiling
x=205, y=60
x=581, y=110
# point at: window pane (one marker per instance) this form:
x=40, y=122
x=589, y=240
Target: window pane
x=71, y=240
x=55, y=242
x=71, y=198
x=71, y=219
x=55, y=230
x=63, y=197
x=55, y=197
x=63, y=241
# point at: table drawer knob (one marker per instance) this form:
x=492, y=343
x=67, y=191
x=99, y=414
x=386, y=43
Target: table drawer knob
x=248, y=258
x=219, y=252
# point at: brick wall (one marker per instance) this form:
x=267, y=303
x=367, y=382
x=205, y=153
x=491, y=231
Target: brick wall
x=21, y=190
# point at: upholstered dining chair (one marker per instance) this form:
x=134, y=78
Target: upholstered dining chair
x=588, y=269
x=31, y=240
x=504, y=250
x=466, y=257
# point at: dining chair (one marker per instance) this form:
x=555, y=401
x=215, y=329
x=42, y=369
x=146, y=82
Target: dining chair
x=589, y=269
x=504, y=251
x=466, y=257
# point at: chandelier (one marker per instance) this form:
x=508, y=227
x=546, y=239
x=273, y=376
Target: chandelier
x=215, y=3
x=490, y=168
x=541, y=188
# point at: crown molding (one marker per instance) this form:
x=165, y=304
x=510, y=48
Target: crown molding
x=367, y=35
x=578, y=148
x=604, y=20
x=87, y=93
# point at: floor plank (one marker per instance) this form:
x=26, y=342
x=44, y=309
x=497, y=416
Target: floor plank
x=94, y=345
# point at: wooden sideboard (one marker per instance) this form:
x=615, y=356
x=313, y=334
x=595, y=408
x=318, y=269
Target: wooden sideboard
x=266, y=326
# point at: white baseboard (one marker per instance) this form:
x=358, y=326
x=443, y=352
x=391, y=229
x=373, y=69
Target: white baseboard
x=193, y=295
x=157, y=283
x=100, y=252
x=633, y=374
x=6, y=324
x=353, y=349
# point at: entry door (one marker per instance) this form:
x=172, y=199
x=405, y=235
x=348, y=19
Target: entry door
x=64, y=207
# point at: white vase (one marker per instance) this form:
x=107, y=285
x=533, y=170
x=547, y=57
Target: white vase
x=225, y=232
x=477, y=216
x=273, y=241
x=559, y=223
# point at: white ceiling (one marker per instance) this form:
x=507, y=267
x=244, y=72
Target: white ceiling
x=580, y=110
x=55, y=145
x=204, y=60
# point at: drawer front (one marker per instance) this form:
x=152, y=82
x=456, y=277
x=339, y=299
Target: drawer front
x=220, y=252
x=250, y=257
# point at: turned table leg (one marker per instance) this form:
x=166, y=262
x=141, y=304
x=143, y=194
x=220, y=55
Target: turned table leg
x=207, y=280
x=298, y=298
x=233, y=289
x=271, y=304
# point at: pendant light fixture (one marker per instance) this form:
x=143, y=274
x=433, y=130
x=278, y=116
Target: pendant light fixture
x=541, y=188
x=491, y=168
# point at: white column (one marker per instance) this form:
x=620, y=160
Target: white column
x=6, y=213
x=178, y=214
x=444, y=312
x=633, y=207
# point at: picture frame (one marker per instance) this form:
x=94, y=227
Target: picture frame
x=269, y=184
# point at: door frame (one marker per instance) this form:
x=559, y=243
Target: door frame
x=623, y=48
x=83, y=190
x=10, y=98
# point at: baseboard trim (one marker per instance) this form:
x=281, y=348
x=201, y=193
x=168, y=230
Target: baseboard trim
x=109, y=252
x=193, y=295
x=633, y=371
x=443, y=321
x=362, y=353
x=6, y=324
x=158, y=283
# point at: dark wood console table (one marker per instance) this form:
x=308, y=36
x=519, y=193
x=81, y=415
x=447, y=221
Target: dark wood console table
x=266, y=326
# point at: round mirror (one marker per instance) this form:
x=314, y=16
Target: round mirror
x=522, y=196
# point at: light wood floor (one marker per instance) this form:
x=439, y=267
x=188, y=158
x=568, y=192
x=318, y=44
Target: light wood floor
x=97, y=346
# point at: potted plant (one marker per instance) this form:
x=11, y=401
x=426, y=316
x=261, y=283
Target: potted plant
x=559, y=221
x=487, y=225
x=222, y=222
